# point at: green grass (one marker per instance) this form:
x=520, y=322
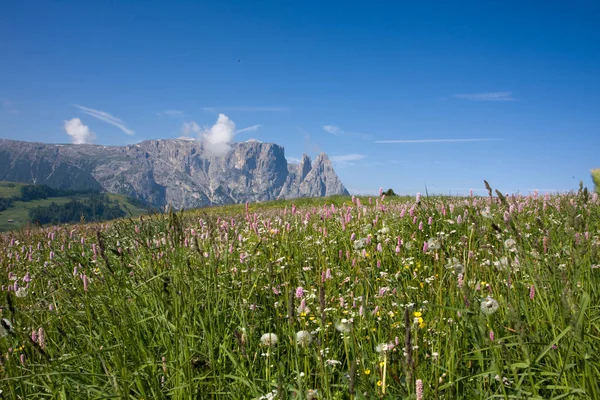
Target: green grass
x=10, y=189
x=19, y=212
x=174, y=306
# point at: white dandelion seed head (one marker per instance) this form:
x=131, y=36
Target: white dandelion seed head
x=269, y=339
x=489, y=306
x=344, y=326
x=433, y=244
x=384, y=347
x=359, y=244
x=303, y=338
x=510, y=245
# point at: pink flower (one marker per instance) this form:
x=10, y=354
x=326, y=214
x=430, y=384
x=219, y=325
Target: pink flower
x=425, y=247
x=532, y=292
x=492, y=336
x=419, y=389
x=299, y=292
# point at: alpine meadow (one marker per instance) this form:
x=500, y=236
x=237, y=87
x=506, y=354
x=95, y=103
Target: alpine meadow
x=333, y=298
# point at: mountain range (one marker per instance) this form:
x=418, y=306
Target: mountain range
x=175, y=172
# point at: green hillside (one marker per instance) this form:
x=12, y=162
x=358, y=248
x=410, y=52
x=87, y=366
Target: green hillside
x=19, y=210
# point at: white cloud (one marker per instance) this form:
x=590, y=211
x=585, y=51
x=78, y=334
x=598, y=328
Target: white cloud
x=80, y=133
x=245, y=109
x=293, y=160
x=252, y=128
x=106, y=117
x=171, y=113
x=435, y=140
x=488, y=96
x=217, y=139
x=334, y=130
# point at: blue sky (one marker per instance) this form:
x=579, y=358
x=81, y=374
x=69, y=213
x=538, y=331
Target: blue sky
x=339, y=77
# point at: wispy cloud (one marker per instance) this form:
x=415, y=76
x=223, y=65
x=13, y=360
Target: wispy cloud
x=487, y=96
x=345, y=160
x=80, y=133
x=171, y=113
x=337, y=131
x=252, y=128
x=293, y=160
x=245, y=109
x=347, y=157
x=436, y=140
x=334, y=130
x=7, y=106
x=106, y=117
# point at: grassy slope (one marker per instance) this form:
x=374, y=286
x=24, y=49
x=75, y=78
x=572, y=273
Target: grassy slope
x=20, y=209
x=10, y=189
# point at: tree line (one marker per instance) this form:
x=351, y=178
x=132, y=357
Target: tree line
x=94, y=207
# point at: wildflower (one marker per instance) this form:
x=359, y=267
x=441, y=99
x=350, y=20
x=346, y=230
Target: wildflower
x=21, y=292
x=532, y=292
x=489, y=306
x=419, y=389
x=303, y=338
x=269, y=396
x=299, y=292
x=383, y=348
x=367, y=371
x=269, y=339
x=312, y=394
x=344, y=326
x=333, y=362
x=303, y=309
x=510, y=245
x=492, y=336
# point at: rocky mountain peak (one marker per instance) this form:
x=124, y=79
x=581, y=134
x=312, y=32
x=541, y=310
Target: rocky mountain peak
x=177, y=172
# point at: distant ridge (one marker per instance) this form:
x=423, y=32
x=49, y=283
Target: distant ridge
x=177, y=172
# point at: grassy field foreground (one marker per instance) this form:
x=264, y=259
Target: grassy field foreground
x=427, y=298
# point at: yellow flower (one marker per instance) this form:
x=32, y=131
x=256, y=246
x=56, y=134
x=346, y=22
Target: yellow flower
x=367, y=371
x=381, y=363
x=422, y=285
x=312, y=317
x=417, y=313
x=378, y=383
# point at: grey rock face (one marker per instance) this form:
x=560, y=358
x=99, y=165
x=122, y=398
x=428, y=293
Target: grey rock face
x=174, y=172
